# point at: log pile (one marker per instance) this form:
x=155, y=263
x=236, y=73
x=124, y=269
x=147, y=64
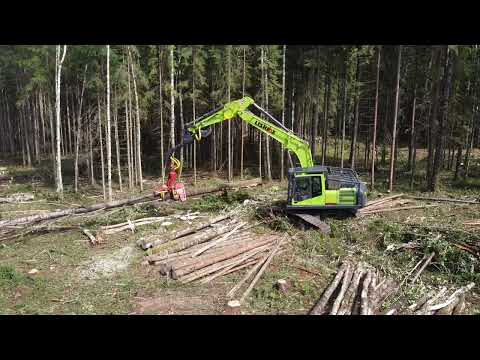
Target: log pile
x=207, y=251
x=359, y=289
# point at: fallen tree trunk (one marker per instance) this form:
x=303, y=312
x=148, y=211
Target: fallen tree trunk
x=397, y=209
x=444, y=200
x=103, y=206
x=382, y=200
x=16, y=198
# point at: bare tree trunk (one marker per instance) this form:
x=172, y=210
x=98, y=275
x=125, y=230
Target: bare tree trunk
x=194, y=116
x=412, y=140
x=344, y=114
x=129, y=153
x=42, y=118
x=172, y=99
x=117, y=141
x=267, y=138
x=131, y=134
x=229, y=124
x=100, y=134
x=108, y=131
x=395, y=115
x=90, y=148
x=36, y=130
x=160, y=89
x=355, y=120
x=325, y=123
x=443, y=117
x=138, y=135
x=374, y=135
x=180, y=101
x=58, y=72
x=79, y=129
x=282, y=157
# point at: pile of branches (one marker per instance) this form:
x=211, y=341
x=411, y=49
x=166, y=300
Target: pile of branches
x=357, y=289
x=215, y=248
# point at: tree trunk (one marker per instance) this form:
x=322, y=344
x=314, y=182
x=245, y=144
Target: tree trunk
x=267, y=138
x=180, y=100
x=172, y=100
x=344, y=113
x=432, y=126
x=353, y=143
x=229, y=123
x=100, y=135
x=138, y=135
x=194, y=116
x=108, y=131
x=90, y=147
x=282, y=165
x=129, y=153
x=443, y=116
x=394, y=130
x=79, y=129
x=160, y=90
x=375, y=119
x=325, y=123
x=413, y=142
x=59, y=63
x=117, y=142
x=242, y=125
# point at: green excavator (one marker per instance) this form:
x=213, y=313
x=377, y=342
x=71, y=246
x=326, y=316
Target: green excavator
x=311, y=189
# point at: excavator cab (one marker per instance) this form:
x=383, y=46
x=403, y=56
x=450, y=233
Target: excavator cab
x=324, y=188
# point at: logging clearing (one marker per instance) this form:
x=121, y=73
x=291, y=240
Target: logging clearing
x=108, y=206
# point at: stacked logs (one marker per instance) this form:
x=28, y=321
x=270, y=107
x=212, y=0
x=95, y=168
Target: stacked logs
x=357, y=289
x=207, y=251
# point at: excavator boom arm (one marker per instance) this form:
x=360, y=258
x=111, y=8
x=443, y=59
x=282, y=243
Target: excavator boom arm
x=239, y=108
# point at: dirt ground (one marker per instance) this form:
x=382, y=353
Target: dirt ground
x=59, y=272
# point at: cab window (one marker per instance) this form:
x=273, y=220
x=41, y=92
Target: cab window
x=316, y=186
x=302, y=188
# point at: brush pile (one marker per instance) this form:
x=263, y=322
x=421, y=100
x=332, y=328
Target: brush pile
x=202, y=253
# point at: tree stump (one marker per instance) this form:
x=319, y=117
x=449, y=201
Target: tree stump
x=283, y=286
x=233, y=308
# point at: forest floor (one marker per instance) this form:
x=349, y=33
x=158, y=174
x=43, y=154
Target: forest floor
x=111, y=278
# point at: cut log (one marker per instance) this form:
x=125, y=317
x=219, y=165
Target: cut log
x=215, y=242
x=261, y=271
x=220, y=265
x=473, y=202
x=214, y=258
x=347, y=278
x=382, y=200
x=190, y=240
x=153, y=241
x=319, y=307
x=347, y=303
x=397, y=209
x=364, y=307
x=92, y=238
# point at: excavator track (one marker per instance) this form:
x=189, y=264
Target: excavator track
x=315, y=221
